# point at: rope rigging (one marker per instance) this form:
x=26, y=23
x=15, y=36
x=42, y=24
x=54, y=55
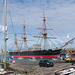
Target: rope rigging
x=56, y=32
x=52, y=43
x=11, y=22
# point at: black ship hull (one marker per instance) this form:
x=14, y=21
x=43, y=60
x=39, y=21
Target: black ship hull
x=37, y=54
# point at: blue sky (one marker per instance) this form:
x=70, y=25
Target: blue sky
x=60, y=13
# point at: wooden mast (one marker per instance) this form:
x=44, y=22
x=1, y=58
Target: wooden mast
x=67, y=43
x=45, y=34
x=5, y=36
x=20, y=40
x=15, y=42
x=24, y=38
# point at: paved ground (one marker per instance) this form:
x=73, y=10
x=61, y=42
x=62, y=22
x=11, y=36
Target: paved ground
x=33, y=68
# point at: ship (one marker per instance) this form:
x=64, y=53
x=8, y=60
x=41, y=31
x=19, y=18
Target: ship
x=37, y=54
x=45, y=53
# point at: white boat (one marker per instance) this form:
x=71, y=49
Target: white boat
x=32, y=59
x=3, y=72
x=66, y=71
x=54, y=59
x=20, y=58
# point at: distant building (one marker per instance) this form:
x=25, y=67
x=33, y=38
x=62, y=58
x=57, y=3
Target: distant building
x=36, y=47
x=72, y=50
x=30, y=48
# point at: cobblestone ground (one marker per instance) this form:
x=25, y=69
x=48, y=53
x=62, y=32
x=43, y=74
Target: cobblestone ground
x=34, y=69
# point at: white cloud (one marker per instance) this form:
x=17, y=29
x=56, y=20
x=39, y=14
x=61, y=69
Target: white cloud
x=1, y=28
x=67, y=36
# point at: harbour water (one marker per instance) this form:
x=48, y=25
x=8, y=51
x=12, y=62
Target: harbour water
x=25, y=59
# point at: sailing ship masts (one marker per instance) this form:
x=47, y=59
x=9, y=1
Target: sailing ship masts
x=24, y=38
x=45, y=34
x=15, y=42
x=5, y=36
x=44, y=29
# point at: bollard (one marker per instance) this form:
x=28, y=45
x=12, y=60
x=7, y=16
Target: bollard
x=13, y=61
